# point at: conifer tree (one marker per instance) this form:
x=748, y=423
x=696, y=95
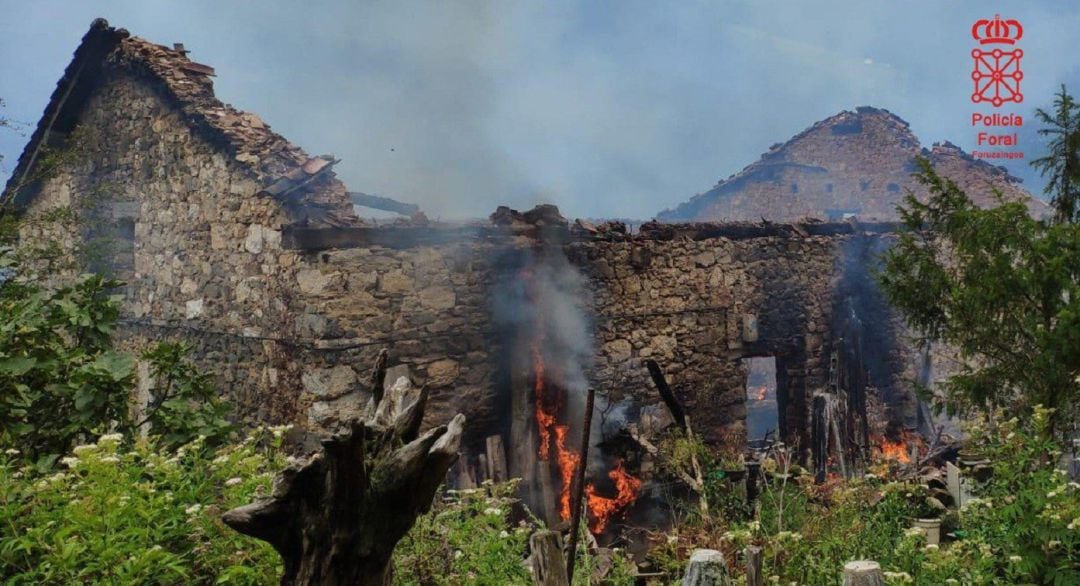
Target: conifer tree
x=1062, y=164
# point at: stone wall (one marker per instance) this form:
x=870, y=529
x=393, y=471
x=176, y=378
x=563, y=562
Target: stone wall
x=204, y=253
x=697, y=306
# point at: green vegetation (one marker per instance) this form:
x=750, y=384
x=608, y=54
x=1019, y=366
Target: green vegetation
x=61, y=381
x=1062, y=163
x=116, y=513
x=1023, y=526
x=998, y=285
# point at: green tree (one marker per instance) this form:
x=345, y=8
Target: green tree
x=1062, y=164
x=1001, y=287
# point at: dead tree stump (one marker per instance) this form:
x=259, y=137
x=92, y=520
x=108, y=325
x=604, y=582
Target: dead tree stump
x=336, y=516
x=707, y=568
x=863, y=573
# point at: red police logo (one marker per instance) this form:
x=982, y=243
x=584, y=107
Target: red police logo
x=997, y=71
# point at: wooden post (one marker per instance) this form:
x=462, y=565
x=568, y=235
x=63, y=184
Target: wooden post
x=819, y=434
x=753, y=566
x=496, y=459
x=707, y=568
x=549, y=569
x=753, y=470
x=578, y=487
x=484, y=472
x=863, y=573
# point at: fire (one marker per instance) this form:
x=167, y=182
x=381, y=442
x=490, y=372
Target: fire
x=568, y=462
x=900, y=451
x=895, y=451
x=603, y=508
x=760, y=393
x=548, y=403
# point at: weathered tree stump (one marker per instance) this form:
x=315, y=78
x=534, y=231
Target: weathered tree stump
x=707, y=568
x=863, y=573
x=548, y=563
x=336, y=516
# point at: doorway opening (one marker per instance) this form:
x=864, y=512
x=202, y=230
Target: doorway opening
x=762, y=409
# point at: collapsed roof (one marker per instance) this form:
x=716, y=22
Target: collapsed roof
x=283, y=169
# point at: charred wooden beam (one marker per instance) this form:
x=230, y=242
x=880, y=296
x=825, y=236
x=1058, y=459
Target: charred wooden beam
x=496, y=459
x=666, y=393
x=308, y=238
x=385, y=204
x=578, y=486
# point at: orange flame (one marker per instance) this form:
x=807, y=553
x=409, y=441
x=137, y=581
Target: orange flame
x=603, y=508
x=548, y=403
x=900, y=451
x=895, y=451
x=760, y=393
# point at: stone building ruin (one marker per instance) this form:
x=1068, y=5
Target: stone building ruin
x=232, y=238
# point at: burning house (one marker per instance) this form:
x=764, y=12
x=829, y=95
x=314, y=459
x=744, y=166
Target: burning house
x=239, y=242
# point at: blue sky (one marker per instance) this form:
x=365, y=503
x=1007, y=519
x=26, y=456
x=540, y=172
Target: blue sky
x=615, y=109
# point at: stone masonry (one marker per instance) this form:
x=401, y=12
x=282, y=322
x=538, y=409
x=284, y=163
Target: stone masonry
x=209, y=203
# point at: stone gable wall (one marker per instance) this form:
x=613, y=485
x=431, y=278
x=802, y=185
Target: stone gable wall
x=205, y=251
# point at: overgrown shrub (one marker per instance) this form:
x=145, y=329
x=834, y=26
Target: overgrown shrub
x=62, y=381
x=137, y=515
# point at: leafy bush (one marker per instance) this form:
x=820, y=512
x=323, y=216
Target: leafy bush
x=61, y=381
x=468, y=538
x=59, y=377
x=137, y=515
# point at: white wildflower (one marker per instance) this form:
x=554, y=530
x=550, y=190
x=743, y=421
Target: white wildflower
x=1015, y=559
x=931, y=546
x=11, y=452
x=84, y=449
x=193, y=509
x=110, y=459
x=156, y=548
x=110, y=438
x=69, y=461
x=504, y=534
x=493, y=511
x=233, y=481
